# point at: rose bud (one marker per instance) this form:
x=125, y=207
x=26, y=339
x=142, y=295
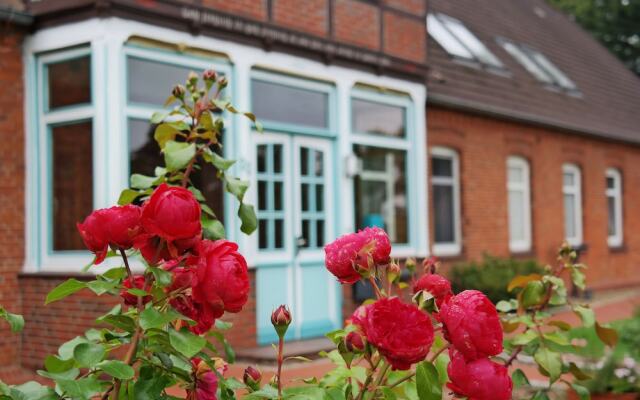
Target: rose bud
x=281, y=319
x=472, y=325
x=223, y=82
x=437, y=285
x=252, y=378
x=354, y=342
x=393, y=272
x=401, y=332
x=209, y=75
x=138, y=283
x=481, y=379
x=173, y=214
x=348, y=256
x=205, y=382
x=178, y=91
x=115, y=226
x=192, y=78
x=221, y=274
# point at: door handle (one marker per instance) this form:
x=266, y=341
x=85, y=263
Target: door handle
x=300, y=243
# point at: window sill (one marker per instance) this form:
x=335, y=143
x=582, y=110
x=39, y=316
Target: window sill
x=522, y=254
x=620, y=248
x=56, y=275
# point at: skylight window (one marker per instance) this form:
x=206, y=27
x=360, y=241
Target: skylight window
x=538, y=65
x=458, y=41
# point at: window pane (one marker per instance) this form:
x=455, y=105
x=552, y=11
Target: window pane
x=611, y=207
x=72, y=181
x=145, y=156
x=442, y=166
x=277, y=158
x=377, y=118
x=381, y=196
x=69, y=82
x=304, y=161
x=611, y=182
x=516, y=215
x=306, y=233
x=524, y=59
x=319, y=197
x=279, y=233
x=320, y=233
x=477, y=48
x=515, y=175
x=443, y=213
x=304, y=194
x=151, y=82
x=319, y=163
x=263, y=234
x=560, y=78
x=262, y=158
x=277, y=196
x=291, y=105
x=569, y=215
x=568, y=179
x=445, y=38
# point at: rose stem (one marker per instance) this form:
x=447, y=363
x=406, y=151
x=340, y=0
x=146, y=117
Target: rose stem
x=375, y=287
x=280, y=359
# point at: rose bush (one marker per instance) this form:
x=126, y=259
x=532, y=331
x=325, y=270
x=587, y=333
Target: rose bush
x=414, y=339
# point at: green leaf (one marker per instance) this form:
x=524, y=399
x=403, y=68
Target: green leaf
x=117, y=369
x=236, y=187
x=533, y=294
x=560, y=324
x=267, y=392
x=32, y=391
x=123, y=322
x=150, y=388
x=213, y=229
x=228, y=350
x=577, y=277
x=550, y=361
x=66, y=349
x=247, y=215
x=178, y=154
x=540, y=395
x=161, y=276
x=81, y=389
x=66, y=375
x=585, y=314
x=116, y=273
x=223, y=325
x=158, y=116
x=138, y=181
x=583, y=392
x=127, y=196
x=89, y=354
x=15, y=321
x=558, y=290
x=525, y=338
x=64, y=289
x=427, y=383
x=186, y=342
x=578, y=373
x=558, y=338
x=101, y=287
x=609, y=336
x=519, y=378
x=151, y=318
x=506, y=306
x=522, y=280
x=164, y=133
x=219, y=162
x=138, y=292
x=55, y=364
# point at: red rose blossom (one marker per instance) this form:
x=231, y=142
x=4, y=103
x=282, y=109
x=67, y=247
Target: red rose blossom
x=481, y=379
x=204, y=314
x=115, y=226
x=154, y=250
x=343, y=254
x=401, y=332
x=129, y=298
x=173, y=214
x=221, y=275
x=205, y=382
x=437, y=285
x=472, y=325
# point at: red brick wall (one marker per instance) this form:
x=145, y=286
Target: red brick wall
x=484, y=144
x=311, y=16
x=12, y=176
x=357, y=23
x=404, y=37
x=256, y=9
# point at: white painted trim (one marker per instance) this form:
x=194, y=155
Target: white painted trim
x=524, y=187
x=616, y=239
x=450, y=248
x=576, y=191
x=107, y=38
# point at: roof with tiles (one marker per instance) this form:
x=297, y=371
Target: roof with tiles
x=607, y=100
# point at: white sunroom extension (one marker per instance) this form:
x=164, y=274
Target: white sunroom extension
x=342, y=149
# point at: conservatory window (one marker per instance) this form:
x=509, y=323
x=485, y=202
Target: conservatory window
x=445, y=182
x=613, y=193
x=519, y=204
x=572, y=195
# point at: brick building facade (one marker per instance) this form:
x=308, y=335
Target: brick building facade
x=365, y=58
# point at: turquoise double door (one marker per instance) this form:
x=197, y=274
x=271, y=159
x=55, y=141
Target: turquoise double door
x=296, y=189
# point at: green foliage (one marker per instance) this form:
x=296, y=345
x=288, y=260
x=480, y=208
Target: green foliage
x=613, y=22
x=491, y=275
x=15, y=321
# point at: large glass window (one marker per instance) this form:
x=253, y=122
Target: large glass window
x=446, y=202
x=459, y=41
x=277, y=102
x=613, y=194
x=149, y=84
x=519, y=204
x=381, y=191
x=572, y=195
x=66, y=122
x=271, y=196
x=377, y=118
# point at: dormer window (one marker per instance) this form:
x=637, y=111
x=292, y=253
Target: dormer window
x=459, y=41
x=538, y=65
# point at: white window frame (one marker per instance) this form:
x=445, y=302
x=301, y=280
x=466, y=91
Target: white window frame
x=449, y=248
x=617, y=238
x=524, y=187
x=108, y=38
x=576, y=191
